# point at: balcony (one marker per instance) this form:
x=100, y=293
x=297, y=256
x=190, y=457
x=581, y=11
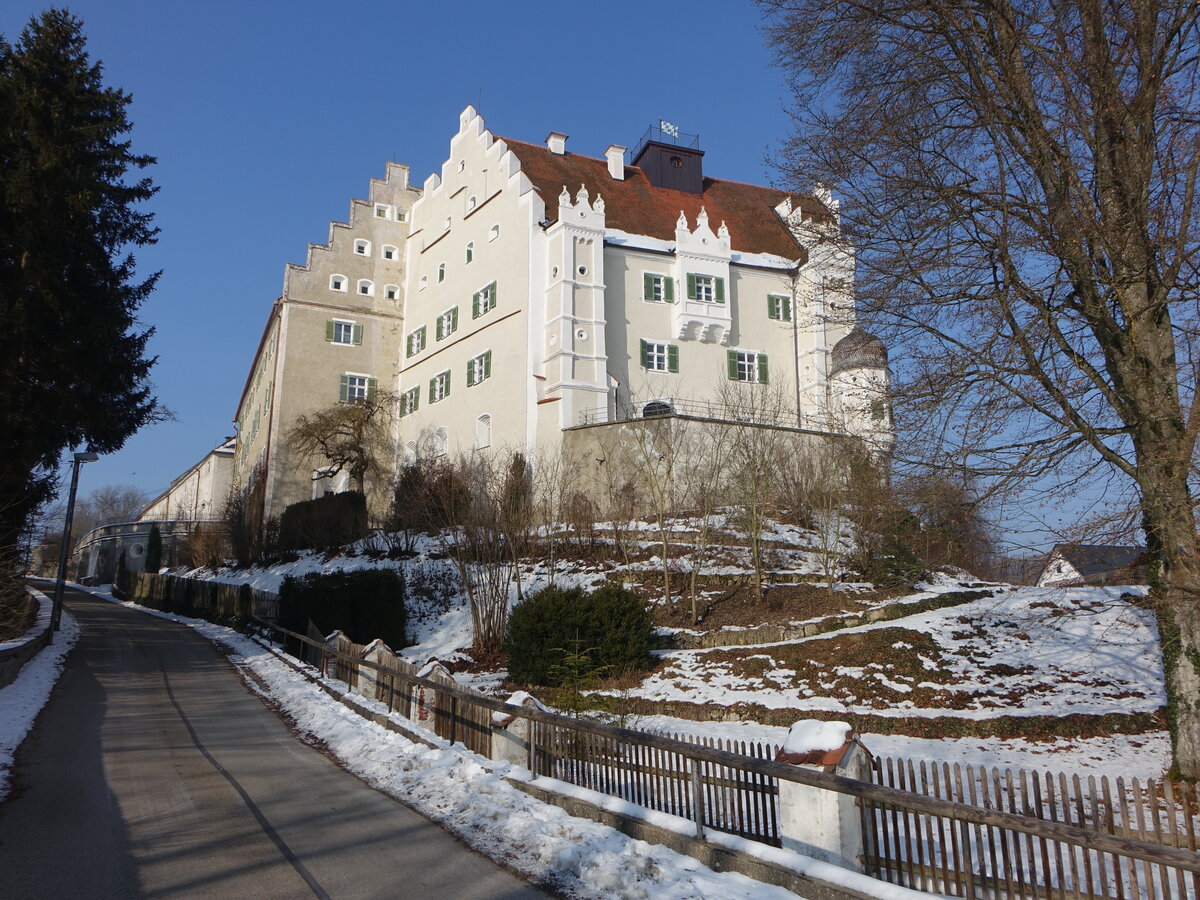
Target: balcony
x=706, y=410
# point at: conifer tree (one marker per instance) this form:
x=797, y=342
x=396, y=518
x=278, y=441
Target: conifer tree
x=73, y=364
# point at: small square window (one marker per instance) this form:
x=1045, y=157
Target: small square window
x=382, y=211
x=389, y=252
x=401, y=216
x=392, y=292
x=357, y=387
x=656, y=356
x=337, y=283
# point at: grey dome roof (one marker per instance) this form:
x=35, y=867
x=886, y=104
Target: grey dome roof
x=858, y=350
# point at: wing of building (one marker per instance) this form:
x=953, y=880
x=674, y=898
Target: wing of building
x=549, y=291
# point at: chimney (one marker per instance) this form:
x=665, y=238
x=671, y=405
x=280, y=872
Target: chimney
x=615, y=154
x=557, y=142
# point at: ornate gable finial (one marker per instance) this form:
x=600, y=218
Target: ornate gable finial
x=723, y=231
x=702, y=219
x=598, y=206
x=582, y=196
x=564, y=199
x=681, y=222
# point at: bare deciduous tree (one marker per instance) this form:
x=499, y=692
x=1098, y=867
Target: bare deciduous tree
x=355, y=437
x=1020, y=180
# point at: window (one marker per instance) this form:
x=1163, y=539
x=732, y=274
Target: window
x=439, y=386
x=462, y=164
x=470, y=252
x=401, y=215
x=366, y=287
x=392, y=292
x=389, y=252
x=383, y=211
x=441, y=272
x=416, y=341
x=745, y=365
x=410, y=400
x=779, y=307
x=356, y=387
x=483, y=300
x=705, y=288
x=424, y=283
x=660, y=357
x=410, y=453
x=483, y=432
x=878, y=410
x=493, y=232
x=337, y=283
x=338, y=331
x=447, y=223
x=447, y=323
x=440, y=443
x=326, y=481
x=472, y=202
x=479, y=368
x=658, y=288
x=362, y=248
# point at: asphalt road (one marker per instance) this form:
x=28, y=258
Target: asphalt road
x=154, y=772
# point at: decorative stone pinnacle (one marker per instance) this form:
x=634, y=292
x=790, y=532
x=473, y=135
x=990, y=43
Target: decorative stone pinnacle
x=564, y=199
x=598, y=206
x=723, y=231
x=681, y=222
x=583, y=195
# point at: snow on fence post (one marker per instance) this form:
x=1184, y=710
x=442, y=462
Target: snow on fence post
x=370, y=684
x=511, y=733
x=821, y=823
x=423, y=707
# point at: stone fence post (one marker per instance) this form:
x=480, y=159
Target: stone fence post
x=511, y=733
x=813, y=821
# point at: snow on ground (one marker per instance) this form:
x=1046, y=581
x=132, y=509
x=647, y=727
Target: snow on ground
x=21, y=701
x=1022, y=652
x=472, y=798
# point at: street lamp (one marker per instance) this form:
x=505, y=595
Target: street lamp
x=64, y=546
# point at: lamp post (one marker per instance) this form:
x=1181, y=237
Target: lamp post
x=64, y=547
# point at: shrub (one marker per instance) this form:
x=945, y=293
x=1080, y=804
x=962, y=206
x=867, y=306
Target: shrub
x=611, y=626
x=329, y=521
x=154, y=548
x=364, y=605
x=895, y=564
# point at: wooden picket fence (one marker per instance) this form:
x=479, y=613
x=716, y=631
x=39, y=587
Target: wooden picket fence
x=725, y=798
x=934, y=853
x=955, y=830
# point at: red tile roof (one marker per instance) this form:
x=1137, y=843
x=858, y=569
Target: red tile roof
x=638, y=207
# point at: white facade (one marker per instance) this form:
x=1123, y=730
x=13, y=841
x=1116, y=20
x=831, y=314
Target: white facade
x=547, y=290
x=197, y=494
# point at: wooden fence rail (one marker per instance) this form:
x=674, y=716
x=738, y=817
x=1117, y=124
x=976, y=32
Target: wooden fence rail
x=947, y=829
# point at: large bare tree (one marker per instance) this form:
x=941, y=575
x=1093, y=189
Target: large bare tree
x=1020, y=184
x=354, y=437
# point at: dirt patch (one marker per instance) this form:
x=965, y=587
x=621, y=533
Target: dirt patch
x=725, y=606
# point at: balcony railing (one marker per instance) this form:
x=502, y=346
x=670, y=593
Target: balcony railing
x=662, y=407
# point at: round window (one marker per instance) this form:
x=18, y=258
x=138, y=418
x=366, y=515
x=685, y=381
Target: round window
x=676, y=162
x=583, y=270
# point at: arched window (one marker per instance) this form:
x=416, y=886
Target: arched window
x=392, y=292
x=337, y=283
x=657, y=408
x=441, y=272
x=470, y=251
x=389, y=252
x=366, y=287
x=472, y=202
x=441, y=441
x=362, y=247
x=493, y=232
x=483, y=432
x=410, y=453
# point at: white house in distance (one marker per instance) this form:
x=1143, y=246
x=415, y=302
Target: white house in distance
x=549, y=291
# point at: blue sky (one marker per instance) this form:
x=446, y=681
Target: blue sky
x=268, y=117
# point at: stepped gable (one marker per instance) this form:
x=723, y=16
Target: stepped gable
x=858, y=350
x=636, y=206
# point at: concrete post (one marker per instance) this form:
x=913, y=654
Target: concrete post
x=510, y=733
x=820, y=823
x=424, y=700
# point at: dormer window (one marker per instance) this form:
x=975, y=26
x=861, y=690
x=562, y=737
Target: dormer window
x=362, y=248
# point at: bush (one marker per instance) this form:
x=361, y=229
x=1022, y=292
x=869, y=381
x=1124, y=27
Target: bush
x=611, y=625
x=895, y=564
x=364, y=605
x=329, y=521
x=154, y=548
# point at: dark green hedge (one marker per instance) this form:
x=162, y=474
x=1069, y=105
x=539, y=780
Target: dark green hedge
x=330, y=521
x=611, y=624
x=364, y=605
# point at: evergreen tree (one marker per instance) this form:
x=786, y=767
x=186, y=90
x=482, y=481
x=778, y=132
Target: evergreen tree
x=154, y=550
x=73, y=367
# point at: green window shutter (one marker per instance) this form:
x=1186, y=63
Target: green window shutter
x=762, y=368
x=787, y=309
x=669, y=289
x=416, y=398
x=772, y=309
x=672, y=358
x=691, y=286
x=731, y=360
x=329, y=329
x=454, y=319
x=720, y=289
x=447, y=394
x=495, y=296
x=645, y=355
x=441, y=332
x=356, y=334
x=344, y=389
x=475, y=305
x=487, y=364
x=470, y=372
x=408, y=350
x=647, y=287
x=372, y=388
x=432, y=385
